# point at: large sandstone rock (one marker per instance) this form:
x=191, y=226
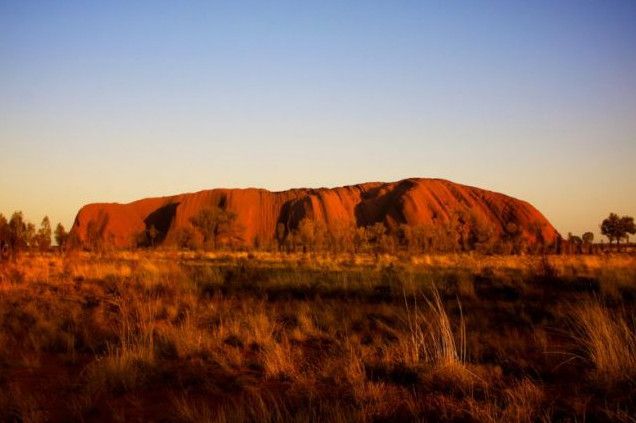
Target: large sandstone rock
x=414, y=201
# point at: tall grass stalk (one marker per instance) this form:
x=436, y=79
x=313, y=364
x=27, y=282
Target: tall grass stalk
x=607, y=340
x=431, y=335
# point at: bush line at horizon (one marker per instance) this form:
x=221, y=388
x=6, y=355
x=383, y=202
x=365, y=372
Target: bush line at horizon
x=216, y=229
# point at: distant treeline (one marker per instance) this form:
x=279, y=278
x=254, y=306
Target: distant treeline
x=17, y=234
x=217, y=229
x=462, y=234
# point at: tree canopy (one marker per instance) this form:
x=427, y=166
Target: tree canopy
x=217, y=226
x=616, y=228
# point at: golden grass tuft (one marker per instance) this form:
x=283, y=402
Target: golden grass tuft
x=432, y=339
x=607, y=340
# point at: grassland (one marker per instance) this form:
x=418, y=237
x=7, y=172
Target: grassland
x=187, y=337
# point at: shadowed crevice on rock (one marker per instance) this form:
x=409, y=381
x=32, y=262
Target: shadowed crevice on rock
x=291, y=213
x=377, y=206
x=161, y=219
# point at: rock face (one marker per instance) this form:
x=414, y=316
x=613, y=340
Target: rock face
x=414, y=201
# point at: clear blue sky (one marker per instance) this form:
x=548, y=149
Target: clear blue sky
x=114, y=101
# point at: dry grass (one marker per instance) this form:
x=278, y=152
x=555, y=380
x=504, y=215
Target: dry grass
x=606, y=339
x=270, y=337
x=432, y=339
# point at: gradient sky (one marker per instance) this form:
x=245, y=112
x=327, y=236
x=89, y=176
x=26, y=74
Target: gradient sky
x=114, y=101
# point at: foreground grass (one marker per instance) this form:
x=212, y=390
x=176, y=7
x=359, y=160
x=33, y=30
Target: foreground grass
x=183, y=337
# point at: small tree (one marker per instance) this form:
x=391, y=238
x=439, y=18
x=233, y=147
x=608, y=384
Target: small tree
x=483, y=237
x=539, y=239
x=4, y=228
x=340, y=237
x=320, y=235
x=460, y=221
x=575, y=242
x=405, y=237
x=281, y=232
x=616, y=228
x=61, y=236
x=4, y=237
x=17, y=233
x=627, y=227
x=31, y=235
x=185, y=238
x=588, y=239
x=444, y=237
x=43, y=236
x=610, y=227
x=153, y=234
x=376, y=234
x=360, y=239
x=307, y=234
x=216, y=225
x=423, y=239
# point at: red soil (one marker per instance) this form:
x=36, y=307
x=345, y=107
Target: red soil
x=413, y=201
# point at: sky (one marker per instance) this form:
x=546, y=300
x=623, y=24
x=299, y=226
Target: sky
x=116, y=101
